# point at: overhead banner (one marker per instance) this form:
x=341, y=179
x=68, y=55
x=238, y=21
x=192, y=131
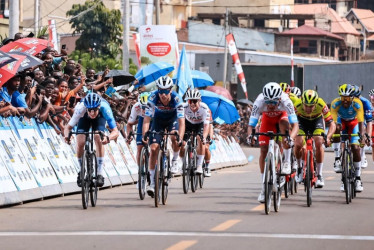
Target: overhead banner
x=158, y=44
x=52, y=31
x=236, y=60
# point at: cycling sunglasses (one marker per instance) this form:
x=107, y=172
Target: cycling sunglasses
x=345, y=98
x=271, y=102
x=192, y=101
x=93, y=109
x=164, y=91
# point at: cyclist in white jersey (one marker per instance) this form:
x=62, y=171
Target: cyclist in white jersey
x=197, y=116
x=277, y=110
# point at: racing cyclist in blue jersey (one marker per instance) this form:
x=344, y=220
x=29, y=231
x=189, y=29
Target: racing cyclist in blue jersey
x=93, y=112
x=167, y=111
x=368, y=109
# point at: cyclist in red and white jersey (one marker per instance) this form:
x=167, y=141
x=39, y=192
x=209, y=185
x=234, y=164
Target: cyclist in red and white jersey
x=276, y=108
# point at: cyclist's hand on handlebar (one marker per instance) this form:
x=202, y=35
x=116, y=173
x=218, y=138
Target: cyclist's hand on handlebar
x=68, y=138
x=129, y=138
x=251, y=139
x=145, y=138
x=367, y=140
x=105, y=140
x=328, y=142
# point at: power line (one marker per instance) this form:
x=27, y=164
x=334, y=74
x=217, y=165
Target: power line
x=40, y=19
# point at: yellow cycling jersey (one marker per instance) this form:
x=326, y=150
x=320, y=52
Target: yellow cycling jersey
x=293, y=98
x=355, y=110
x=320, y=109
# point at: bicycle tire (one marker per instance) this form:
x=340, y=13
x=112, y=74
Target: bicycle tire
x=186, y=172
x=202, y=176
x=345, y=178
x=158, y=184
x=268, y=182
x=352, y=178
x=165, y=179
x=85, y=180
x=277, y=196
x=193, y=171
x=142, y=173
x=308, y=181
x=287, y=187
x=93, y=187
x=295, y=186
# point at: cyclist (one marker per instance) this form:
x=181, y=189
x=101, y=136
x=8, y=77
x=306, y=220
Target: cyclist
x=371, y=94
x=136, y=117
x=311, y=111
x=276, y=108
x=208, y=154
x=93, y=112
x=286, y=88
x=167, y=111
x=197, y=116
x=368, y=122
x=296, y=91
x=348, y=112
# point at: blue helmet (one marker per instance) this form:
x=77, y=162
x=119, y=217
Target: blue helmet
x=357, y=91
x=92, y=100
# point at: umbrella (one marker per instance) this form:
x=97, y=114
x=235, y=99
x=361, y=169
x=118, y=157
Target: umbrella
x=120, y=77
x=245, y=102
x=8, y=71
x=152, y=72
x=222, y=108
x=30, y=46
x=200, y=79
x=27, y=60
x=221, y=91
x=5, y=59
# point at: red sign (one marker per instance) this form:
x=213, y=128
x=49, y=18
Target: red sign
x=159, y=49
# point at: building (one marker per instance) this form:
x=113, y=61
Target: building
x=342, y=7
x=363, y=21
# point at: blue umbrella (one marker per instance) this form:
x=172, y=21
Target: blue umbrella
x=200, y=79
x=222, y=108
x=152, y=72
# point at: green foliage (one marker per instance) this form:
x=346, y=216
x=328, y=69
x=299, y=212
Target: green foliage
x=145, y=60
x=42, y=32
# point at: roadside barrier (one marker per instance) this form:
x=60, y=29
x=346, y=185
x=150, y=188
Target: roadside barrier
x=35, y=162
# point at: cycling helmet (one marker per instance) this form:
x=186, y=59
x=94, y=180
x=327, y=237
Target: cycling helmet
x=371, y=92
x=285, y=87
x=309, y=97
x=357, y=91
x=92, y=100
x=193, y=94
x=272, y=91
x=346, y=90
x=143, y=97
x=296, y=91
x=164, y=82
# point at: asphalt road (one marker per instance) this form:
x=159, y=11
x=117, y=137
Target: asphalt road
x=224, y=214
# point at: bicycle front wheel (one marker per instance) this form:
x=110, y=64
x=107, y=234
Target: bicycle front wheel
x=345, y=177
x=308, y=180
x=194, y=175
x=158, y=181
x=85, y=178
x=165, y=180
x=202, y=176
x=268, y=182
x=93, y=186
x=186, y=172
x=142, y=173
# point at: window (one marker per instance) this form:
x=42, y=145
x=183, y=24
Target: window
x=371, y=45
x=259, y=23
x=305, y=46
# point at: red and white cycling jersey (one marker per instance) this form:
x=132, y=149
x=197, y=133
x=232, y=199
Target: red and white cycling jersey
x=201, y=115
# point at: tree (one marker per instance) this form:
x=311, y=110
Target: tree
x=100, y=28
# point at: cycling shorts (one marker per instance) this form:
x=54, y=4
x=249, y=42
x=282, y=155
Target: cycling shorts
x=160, y=126
x=196, y=128
x=97, y=124
x=270, y=124
x=307, y=126
x=350, y=127
x=139, y=130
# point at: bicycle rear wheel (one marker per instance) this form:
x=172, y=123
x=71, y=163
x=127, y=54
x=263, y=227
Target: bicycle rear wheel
x=186, y=172
x=268, y=182
x=308, y=180
x=85, y=178
x=202, y=176
x=194, y=175
x=345, y=177
x=165, y=179
x=93, y=186
x=142, y=173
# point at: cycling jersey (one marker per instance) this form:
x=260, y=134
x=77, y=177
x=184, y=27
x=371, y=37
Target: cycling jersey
x=355, y=110
x=202, y=115
x=293, y=98
x=259, y=107
x=136, y=112
x=105, y=111
x=156, y=109
x=319, y=110
x=367, y=109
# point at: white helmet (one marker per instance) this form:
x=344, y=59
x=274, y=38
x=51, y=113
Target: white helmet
x=192, y=94
x=272, y=91
x=164, y=82
x=296, y=91
x=371, y=92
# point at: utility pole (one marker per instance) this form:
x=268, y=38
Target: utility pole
x=13, y=18
x=36, y=16
x=225, y=56
x=126, y=34
x=157, y=12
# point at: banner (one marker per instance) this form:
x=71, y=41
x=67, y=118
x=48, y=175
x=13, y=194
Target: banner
x=236, y=61
x=158, y=44
x=52, y=31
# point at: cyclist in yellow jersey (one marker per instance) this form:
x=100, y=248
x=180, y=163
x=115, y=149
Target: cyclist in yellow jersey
x=348, y=112
x=312, y=111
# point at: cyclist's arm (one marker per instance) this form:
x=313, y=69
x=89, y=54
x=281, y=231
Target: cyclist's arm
x=294, y=130
x=331, y=131
x=146, y=122
x=334, y=109
x=182, y=127
x=114, y=134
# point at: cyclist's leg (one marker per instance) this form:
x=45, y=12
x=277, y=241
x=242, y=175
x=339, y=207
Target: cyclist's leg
x=84, y=125
x=98, y=124
x=200, y=148
x=299, y=152
x=173, y=127
x=336, y=146
x=364, y=162
x=284, y=125
x=185, y=138
x=353, y=128
x=139, y=141
x=318, y=140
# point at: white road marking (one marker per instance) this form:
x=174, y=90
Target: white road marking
x=189, y=234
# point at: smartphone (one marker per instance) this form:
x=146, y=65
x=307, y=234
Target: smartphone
x=63, y=46
x=38, y=91
x=71, y=102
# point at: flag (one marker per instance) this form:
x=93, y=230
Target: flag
x=184, y=78
x=292, y=72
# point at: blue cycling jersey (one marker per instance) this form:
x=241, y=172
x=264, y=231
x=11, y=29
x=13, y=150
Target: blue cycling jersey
x=157, y=110
x=367, y=109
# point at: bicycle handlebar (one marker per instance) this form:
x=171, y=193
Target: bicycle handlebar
x=101, y=133
x=160, y=133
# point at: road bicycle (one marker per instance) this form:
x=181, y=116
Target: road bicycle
x=88, y=171
x=290, y=186
x=273, y=180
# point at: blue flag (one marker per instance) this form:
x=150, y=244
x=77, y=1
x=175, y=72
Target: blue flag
x=184, y=77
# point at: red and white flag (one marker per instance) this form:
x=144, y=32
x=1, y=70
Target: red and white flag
x=135, y=36
x=52, y=31
x=292, y=73
x=235, y=58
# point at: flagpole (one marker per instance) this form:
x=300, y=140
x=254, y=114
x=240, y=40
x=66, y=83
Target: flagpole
x=292, y=71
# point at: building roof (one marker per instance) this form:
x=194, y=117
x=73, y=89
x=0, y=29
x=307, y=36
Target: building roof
x=307, y=30
x=370, y=38
x=366, y=17
x=338, y=25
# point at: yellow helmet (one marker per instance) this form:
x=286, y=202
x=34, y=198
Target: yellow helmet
x=346, y=90
x=143, y=97
x=285, y=87
x=309, y=97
